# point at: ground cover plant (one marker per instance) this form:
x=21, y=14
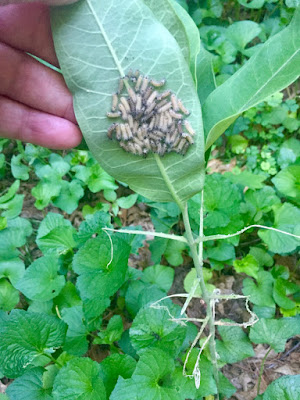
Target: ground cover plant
x=78, y=318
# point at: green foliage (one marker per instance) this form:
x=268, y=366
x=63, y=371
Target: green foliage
x=73, y=278
x=287, y=387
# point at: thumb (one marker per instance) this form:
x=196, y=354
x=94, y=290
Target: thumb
x=49, y=2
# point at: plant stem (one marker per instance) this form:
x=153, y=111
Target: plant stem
x=262, y=370
x=198, y=262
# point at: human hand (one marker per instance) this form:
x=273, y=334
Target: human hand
x=35, y=103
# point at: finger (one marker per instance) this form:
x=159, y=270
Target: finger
x=50, y=2
x=23, y=123
x=24, y=79
x=27, y=27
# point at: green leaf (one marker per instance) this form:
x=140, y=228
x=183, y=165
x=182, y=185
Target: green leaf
x=19, y=170
x=14, y=235
x=287, y=182
x=287, y=219
x=20, y=344
x=173, y=252
x=12, y=207
x=55, y=234
x=153, y=328
x=68, y=297
x=98, y=278
x=273, y=67
x=180, y=25
x=246, y=179
x=150, y=380
x=29, y=386
x=93, y=224
x=10, y=192
x=191, y=278
x=79, y=379
x=164, y=179
x=222, y=200
x=140, y=294
x=112, y=333
x=262, y=257
x=260, y=293
x=275, y=332
x=159, y=275
x=262, y=199
x=44, y=191
x=12, y=269
x=256, y=4
x=76, y=342
x=289, y=152
x=247, y=265
x=69, y=196
x=127, y=202
x=41, y=280
x=283, y=288
x=206, y=82
x=286, y=387
x=114, y=366
x=234, y=346
x=9, y=296
x=242, y=32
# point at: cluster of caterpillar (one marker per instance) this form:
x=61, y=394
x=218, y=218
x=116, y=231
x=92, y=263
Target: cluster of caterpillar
x=152, y=121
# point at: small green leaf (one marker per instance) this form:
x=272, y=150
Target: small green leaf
x=283, y=288
x=69, y=196
x=12, y=207
x=19, y=170
x=68, y=297
x=173, y=252
x=41, y=280
x=159, y=275
x=246, y=178
x=286, y=387
x=247, y=265
x=127, y=202
x=79, y=379
x=9, y=296
x=150, y=380
x=191, y=278
x=112, y=333
x=262, y=257
x=76, y=342
x=262, y=199
x=153, y=328
x=275, y=332
x=260, y=293
x=12, y=269
x=287, y=218
x=287, y=182
x=10, y=192
x=93, y=224
x=242, y=32
x=14, y=235
x=17, y=333
x=29, y=386
x=114, y=366
x=234, y=346
x=98, y=277
x=55, y=234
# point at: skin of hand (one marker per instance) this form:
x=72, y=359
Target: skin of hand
x=35, y=103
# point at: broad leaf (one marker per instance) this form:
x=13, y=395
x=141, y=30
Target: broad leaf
x=9, y=296
x=287, y=219
x=160, y=275
x=234, y=346
x=150, y=380
x=79, y=379
x=273, y=67
x=286, y=387
x=114, y=366
x=29, y=386
x=153, y=328
x=76, y=342
x=41, y=281
x=275, y=332
x=20, y=344
x=287, y=182
x=260, y=293
x=97, y=42
x=12, y=269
